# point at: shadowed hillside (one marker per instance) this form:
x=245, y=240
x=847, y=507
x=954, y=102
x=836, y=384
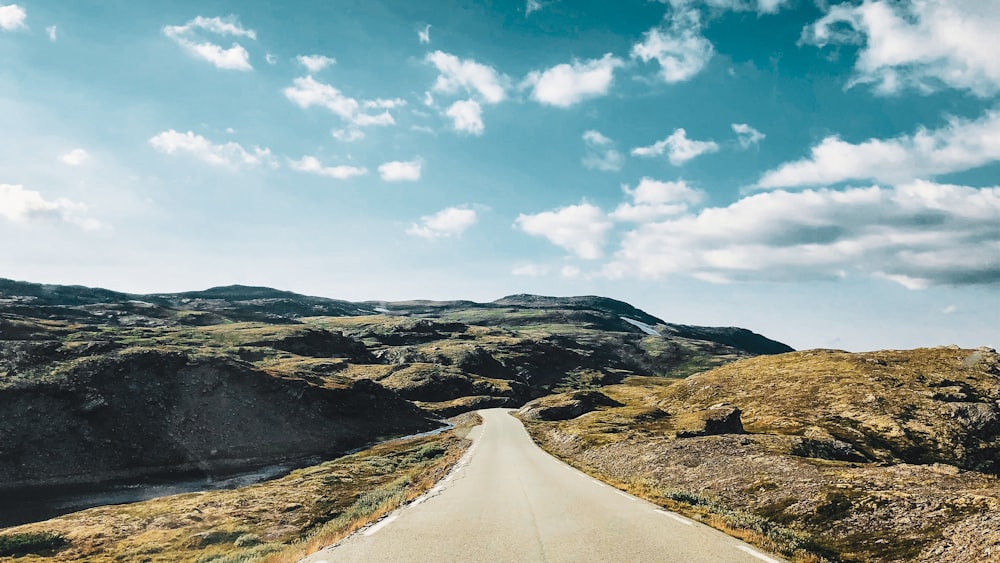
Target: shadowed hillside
x=98, y=385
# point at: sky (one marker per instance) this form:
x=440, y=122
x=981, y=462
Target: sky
x=824, y=173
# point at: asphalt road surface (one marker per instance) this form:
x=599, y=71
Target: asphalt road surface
x=508, y=500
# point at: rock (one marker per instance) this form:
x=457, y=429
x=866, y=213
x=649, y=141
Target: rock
x=718, y=419
x=565, y=407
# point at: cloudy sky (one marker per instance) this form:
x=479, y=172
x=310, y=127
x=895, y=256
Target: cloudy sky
x=823, y=173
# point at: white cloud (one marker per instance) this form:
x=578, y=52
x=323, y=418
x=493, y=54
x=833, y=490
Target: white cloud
x=467, y=117
x=918, y=235
x=229, y=155
x=382, y=103
x=348, y=135
x=677, y=46
x=312, y=165
x=746, y=135
x=52, y=32
x=949, y=310
x=760, y=6
x=452, y=221
x=457, y=75
x=401, y=170
x=187, y=36
x=271, y=59
x=532, y=6
x=601, y=153
x=307, y=92
x=567, y=84
x=678, y=147
x=315, y=63
x=75, y=157
x=21, y=206
x=530, y=271
x=12, y=17
x=424, y=35
x=580, y=229
x=959, y=145
x=570, y=272
x=924, y=45
x=653, y=199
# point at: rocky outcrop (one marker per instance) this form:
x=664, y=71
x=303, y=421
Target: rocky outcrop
x=715, y=420
x=565, y=406
x=140, y=412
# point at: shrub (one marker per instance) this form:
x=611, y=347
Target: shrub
x=31, y=543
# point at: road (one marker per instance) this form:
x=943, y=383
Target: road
x=510, y=501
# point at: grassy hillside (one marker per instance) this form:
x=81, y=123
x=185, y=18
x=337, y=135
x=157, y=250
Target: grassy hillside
x=97, y=385
x=883, y=456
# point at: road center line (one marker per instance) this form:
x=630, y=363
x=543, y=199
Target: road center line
x=757, y=554
x=382, y=524
x=680, y=519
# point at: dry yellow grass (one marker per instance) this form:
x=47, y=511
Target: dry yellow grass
x=278, y=520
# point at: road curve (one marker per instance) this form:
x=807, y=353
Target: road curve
x=511, y=501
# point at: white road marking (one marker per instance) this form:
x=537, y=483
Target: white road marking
x=598, y=482
x=381, y=524
x=757, y=554
x=626, y=495
x=680, y=519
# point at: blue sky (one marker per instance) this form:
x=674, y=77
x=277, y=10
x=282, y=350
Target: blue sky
x=823, y=173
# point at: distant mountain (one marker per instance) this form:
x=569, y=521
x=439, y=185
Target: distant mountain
x=97, y=384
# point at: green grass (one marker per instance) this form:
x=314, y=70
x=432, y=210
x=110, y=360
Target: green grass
x=30, y=543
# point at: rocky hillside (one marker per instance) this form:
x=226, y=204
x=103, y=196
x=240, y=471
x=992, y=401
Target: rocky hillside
x=882, y=456
x=96, y=384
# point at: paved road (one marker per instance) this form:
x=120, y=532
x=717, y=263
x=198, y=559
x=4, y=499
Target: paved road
x=511, y=501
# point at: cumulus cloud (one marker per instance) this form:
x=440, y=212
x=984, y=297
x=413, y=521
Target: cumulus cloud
x=452, y=221
x=677, y=46
x=401, y=170
x=12, y=17
x=530, y=270
x=189, y=37
x=75, y=157
x=959, y=145
x=565, y=85
x=457, y=76
x=229, y=155
x=21, y=206
x=315, y=63
x=918, y=235
x=923, y=45
x=601, y=153
x=746, y=135
x=532, y=6
x=424, y=35
x=653, y=199
x=307, y=92
x=580, y=229
x=312, y=165
x=467, y=117
x=759, y=6
x=348, y=135
x=678, y=147
x=52, y=32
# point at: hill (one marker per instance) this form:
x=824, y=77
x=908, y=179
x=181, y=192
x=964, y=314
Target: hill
x=98, y=385
x=881, y=456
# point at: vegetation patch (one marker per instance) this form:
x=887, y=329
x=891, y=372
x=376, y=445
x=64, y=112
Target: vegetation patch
x=280, y=520
x=30, y=543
